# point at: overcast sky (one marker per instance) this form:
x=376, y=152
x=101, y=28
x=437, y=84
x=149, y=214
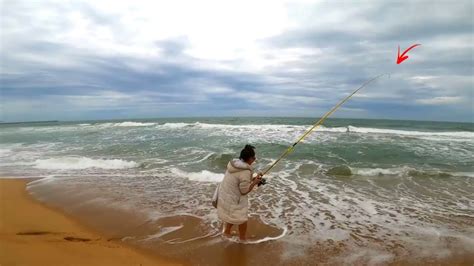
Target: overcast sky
x=74, y=60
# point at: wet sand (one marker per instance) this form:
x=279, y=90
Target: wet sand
x=34, y=234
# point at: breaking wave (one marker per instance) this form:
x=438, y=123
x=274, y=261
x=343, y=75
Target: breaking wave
x=203, y=176
x=122, y=124
x=402, y=171
x=466, y=135
x=82, y=163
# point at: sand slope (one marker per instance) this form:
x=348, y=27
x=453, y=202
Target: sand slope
x=33, y=234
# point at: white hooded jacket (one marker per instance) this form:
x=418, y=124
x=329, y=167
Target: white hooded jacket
x=232, y=206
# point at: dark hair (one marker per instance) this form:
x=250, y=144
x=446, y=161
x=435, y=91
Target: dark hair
x=247, y=152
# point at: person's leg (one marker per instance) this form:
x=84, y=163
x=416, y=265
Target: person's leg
x=242, y=230
x=227, y=227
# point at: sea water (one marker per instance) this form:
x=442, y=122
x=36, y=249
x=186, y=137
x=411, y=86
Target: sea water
x=354, y=191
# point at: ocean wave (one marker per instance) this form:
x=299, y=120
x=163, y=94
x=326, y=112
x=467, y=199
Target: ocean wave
x=219, y=161
x=457, y=134
x=406, y=171
x=468, y=174
x=399, y=171
x=133, y=124
x=402, y=171
x=176, y=125
x=347, y=129
x=200, y=125
x=341, y=170
x=123, y=124
x=202, y=176
x=5, y=152
x=64, y=163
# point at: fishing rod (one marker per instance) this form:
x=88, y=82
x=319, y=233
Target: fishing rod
x=317, y=124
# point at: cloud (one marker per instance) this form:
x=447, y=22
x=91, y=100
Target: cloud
x=441, y=100
x=109, y=59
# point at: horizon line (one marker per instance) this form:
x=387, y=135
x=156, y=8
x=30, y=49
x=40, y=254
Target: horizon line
x=181, y=117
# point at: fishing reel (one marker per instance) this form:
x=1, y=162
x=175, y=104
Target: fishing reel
x=262, y=182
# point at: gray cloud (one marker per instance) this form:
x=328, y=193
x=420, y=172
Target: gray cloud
x=332, y=48
x=444, y=29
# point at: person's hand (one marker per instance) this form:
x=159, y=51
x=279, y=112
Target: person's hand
x=258, y=177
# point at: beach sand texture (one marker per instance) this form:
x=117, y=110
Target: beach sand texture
x=33, y=234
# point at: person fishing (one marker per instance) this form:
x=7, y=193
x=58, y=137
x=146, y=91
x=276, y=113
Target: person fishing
x=238, y=182
x=232, y=203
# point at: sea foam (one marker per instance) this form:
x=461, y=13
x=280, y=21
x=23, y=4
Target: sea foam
x=82, y=163
x=123, y=124
x=464, y=135
x=133, y=124
x=202, y=176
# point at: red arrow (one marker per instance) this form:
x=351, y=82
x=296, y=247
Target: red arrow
x=403, y=56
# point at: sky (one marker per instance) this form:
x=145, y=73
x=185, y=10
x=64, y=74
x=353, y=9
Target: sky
x=82, y=60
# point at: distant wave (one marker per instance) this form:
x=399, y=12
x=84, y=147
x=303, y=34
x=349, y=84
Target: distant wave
x=406, y=171
x=348, y=129
x=459, y=134
x=224, y=126
x=64, y=163
x=202, y=176
x=134, y=124
x=121, y=124
x=177, y=125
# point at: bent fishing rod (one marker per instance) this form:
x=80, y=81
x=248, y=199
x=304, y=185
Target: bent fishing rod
x=317, y=124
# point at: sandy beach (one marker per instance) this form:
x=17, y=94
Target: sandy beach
x=34, y=234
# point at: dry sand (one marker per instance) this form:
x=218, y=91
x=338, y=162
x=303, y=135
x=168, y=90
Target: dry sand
x=34, y=234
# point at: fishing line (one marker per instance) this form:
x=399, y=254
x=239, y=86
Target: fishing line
x=318, y=123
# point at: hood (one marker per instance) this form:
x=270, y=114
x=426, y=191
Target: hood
x=237, y=165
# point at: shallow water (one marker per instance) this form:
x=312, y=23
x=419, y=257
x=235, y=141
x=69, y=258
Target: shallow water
x=356, y=191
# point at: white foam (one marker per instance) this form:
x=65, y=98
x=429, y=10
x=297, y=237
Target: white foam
x=4, y=152
x=203, y=176
x=174, y=125
x=134, y=124
x=7, y=149
x=124, y=124
x=268, y=238
x=332, y=129
x=40, y=181
x=163, y=231
x=456, y=135
x=367, y=205
x=400, y=171
x=205, y=157
x=265, y=239
x=468, y=174
x=380, y=171
x=82, y=163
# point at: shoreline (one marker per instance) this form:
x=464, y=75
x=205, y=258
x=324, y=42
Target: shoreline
x=36, y=233
x=32, y=233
